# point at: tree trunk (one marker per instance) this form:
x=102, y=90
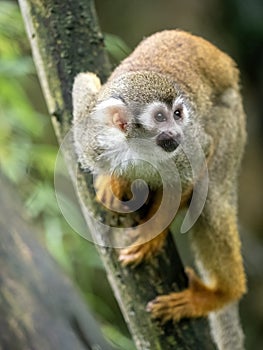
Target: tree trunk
x=66, y=40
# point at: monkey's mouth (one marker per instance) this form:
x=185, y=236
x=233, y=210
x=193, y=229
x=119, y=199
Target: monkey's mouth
x=168, y=143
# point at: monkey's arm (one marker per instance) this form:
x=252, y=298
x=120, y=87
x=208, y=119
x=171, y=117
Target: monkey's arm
x=115, y=192
x=84, y=95
x=217, y=248
x=158, y=218
x=85, y=89
x=147, y=243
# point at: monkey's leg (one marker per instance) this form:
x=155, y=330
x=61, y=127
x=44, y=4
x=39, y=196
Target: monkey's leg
x=148, y=243
x=217, y=247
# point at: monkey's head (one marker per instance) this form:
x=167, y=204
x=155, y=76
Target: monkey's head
x=139, y=116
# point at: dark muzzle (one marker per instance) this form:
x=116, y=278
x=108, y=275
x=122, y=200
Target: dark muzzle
x=168, y=142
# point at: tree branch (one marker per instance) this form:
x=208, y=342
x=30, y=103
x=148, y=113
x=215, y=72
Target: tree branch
x=66, y=40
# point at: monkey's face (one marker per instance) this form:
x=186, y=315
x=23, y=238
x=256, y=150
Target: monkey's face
x=129, y=131
x=164, y=123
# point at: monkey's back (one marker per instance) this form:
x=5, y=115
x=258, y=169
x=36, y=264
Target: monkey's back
x=196, y=65
x=208, y=77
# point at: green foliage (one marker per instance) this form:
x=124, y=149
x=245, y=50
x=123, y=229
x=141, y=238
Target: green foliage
x=117, y=338
x=28, y=152
x=116, y=47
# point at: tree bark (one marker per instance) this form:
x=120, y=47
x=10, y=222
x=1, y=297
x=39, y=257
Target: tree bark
x=66, y=40
x=39, y=306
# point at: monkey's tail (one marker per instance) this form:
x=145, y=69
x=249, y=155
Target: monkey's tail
x=226, y=329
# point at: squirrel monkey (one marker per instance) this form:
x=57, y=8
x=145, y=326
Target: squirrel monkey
x=176, y=90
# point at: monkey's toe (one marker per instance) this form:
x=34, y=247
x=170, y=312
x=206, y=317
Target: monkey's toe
x=174, y=306
x=135, y=254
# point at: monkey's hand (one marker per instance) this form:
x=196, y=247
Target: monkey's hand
x=139, y=252
x=195, y=301
x=111, y=191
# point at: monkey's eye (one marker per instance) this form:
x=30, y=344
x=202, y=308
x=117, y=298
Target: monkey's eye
x=178, y=114
x=160, y=117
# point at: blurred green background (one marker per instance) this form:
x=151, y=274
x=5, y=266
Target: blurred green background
x=28, y=147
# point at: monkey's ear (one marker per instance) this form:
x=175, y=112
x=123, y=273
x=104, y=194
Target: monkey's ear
x=114, y=112
x=84, y=94
x=120, y=118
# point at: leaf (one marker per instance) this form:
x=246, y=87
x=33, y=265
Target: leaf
x=14, y=158
x=117, y=48
x=15, y=67
x=42, y=200
x=43, y=158
x=118, y=338
x=54, y=241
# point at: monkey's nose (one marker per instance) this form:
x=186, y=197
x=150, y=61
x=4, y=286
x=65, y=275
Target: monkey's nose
x=167, y=141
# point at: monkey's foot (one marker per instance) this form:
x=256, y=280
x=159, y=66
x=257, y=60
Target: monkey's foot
x=196, y=301
x=110, y=191
x=139, y=252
